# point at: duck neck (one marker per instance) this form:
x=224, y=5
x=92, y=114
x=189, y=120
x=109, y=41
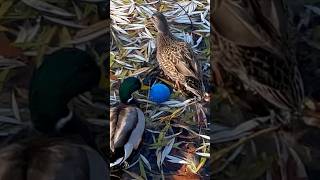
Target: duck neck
x=164, y=38
x=60, y=121
x=49, y=117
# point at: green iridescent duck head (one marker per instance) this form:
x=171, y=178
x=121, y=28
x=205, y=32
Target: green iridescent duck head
x=160, y=22
x=63, y=75
x=127, y=87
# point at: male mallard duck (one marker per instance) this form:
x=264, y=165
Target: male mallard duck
x=176, y=59
x=62, y=76
x=126, y=123
x=251, y=41
x=61, y=150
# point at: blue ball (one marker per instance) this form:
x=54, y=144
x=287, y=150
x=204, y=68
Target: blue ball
x=159, y=93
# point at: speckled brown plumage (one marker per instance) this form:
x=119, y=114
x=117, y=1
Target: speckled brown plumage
x=252, y=43
x=176, y=59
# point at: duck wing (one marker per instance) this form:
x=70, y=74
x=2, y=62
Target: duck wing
x=126, y=129
x=186, y=63
x=123, y=121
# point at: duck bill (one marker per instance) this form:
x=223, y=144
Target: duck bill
x=145, y=87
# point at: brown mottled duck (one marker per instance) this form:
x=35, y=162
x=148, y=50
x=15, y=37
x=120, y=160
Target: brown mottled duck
x=176, y=59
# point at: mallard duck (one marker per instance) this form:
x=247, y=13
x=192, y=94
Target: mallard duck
x=59, y=146
x=126, y=123
x=251, y=41
x=62, y=76
x=176, y=59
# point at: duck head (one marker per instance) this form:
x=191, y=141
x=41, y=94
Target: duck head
x=127, y=87
x=63, y=75
x=160, y=22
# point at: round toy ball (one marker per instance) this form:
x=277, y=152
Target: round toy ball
x=159, y=93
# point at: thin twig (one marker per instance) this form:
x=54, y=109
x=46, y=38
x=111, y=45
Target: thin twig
x=187, y=15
